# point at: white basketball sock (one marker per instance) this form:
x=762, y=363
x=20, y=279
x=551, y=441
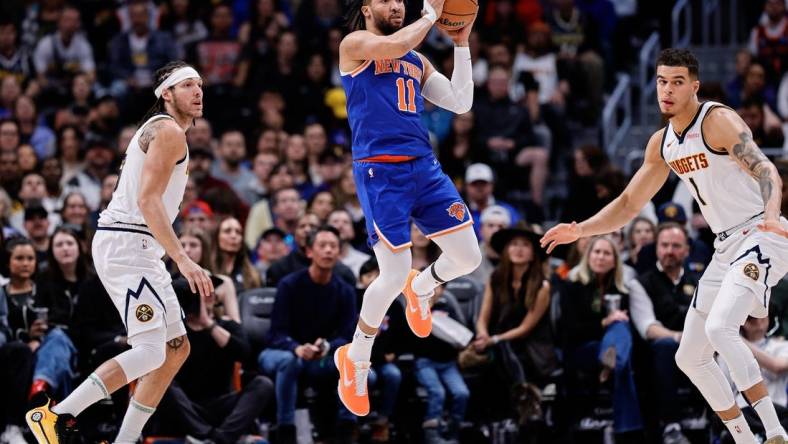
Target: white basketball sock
x=768, y=415
x=136, y=417
x=739, y=429
x=88, y=393
x=361, y=348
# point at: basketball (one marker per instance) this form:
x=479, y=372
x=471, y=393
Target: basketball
x=457, y=13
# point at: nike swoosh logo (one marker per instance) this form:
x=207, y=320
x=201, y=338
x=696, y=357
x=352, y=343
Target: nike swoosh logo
x=744, y=232
x=347, y=382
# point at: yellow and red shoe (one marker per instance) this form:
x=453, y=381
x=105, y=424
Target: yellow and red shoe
x=50, y=428
x=417, y=311
x=352, y=386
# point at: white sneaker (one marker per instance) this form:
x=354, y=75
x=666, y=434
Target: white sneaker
x=12, y=435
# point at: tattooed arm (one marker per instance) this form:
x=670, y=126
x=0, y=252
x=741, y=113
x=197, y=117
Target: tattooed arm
x=724, y=130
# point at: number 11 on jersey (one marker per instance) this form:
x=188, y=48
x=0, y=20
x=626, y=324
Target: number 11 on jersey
x=404, y=105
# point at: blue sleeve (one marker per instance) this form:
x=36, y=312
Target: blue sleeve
x=279, y=335
x=347, y=317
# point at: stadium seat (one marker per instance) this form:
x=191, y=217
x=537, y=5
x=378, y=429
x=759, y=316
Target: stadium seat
x=468, y=294
x=256, y=306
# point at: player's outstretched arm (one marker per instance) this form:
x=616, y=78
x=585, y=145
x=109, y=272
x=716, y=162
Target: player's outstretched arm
x=643, y=186
x=455, y=95
x=166, y=145
x=725, y=130
x=364, y=45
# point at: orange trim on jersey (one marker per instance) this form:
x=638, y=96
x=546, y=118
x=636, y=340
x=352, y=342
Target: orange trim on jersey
x=393, y=248
x=360, y=68
x=467, y=223
x=388, y=158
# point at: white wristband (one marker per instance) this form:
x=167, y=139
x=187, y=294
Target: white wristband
x=429, y=12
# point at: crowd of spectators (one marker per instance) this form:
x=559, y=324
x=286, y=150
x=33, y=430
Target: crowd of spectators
x=271, y=202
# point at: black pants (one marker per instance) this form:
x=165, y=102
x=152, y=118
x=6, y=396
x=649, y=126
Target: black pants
x=223, y=419
x=16, y=372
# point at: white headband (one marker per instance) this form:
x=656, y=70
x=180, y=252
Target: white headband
x=179, y=75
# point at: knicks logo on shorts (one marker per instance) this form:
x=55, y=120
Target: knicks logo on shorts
x=144, y=313
x=751, y=271
x=457, y=211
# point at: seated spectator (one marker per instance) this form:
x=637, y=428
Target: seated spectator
x=640, y=233
x=352, y=258
x=26, y=156
x=321, y=205
x=58, y=288
x=479, y=187
x=437, y=371
x=230, y=257
x=504, y=129
x=384, y=374
x=61, y=55
x=198, y=247
x=346, y=196
x=297, y=259
x=455, y=152
x=316, y=142
x=76, y=215
x=512, y=317
x=771, y=353
x=256, y=188
x=659, y=300
x=596, y=331
x=313, y=315
x=270, y=248
x=734, y=87
x=699, y=252
x=48, y=352
x=99, y=157
x=14, y=61
x=69, y=150
x=34, y=191
x=286, y=207
x=752, y=111
x=37, y=227
x=197, y=214
x=229, y=167
x=493, y=218
x=201, y=401
x=32, y=131
x=182, y=21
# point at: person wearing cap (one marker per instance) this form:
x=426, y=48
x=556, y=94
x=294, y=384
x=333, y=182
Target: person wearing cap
x=493, y=218
x=198, y=215
x=270, y=248
x=37, y=229
x=34, y=190
x=699, y=253
x=479, y=187
x=513, y=316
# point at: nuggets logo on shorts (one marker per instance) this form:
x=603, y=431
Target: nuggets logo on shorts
x=751, y=271
x=457, y=211
x=143, y=313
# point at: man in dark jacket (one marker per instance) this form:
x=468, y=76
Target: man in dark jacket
x=313, y=315
x=659, y=300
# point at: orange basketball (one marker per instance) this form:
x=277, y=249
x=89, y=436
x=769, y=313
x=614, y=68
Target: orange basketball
x=457, y=13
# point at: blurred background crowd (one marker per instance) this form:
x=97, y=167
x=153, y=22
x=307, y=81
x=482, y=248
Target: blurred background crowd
x=573, y=347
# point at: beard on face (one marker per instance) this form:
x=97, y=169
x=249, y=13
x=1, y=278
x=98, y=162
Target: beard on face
x=232, y=162
x=386, y=27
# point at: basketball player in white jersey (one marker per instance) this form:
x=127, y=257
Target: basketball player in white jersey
x=133, y=234
x=739, y=193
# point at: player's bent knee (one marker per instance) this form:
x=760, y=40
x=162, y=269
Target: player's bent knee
x=719, y=333
x=143, y=358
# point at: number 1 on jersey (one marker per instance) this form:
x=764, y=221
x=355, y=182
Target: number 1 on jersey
x=697, y=191
x=402, y=104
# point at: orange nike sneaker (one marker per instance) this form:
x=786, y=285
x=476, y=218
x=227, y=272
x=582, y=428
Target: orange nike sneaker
x=417, y=311
x=352, y=387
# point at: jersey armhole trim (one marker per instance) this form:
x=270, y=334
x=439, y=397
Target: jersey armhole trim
x=662, y=144
x=703, y=137
x=184, y=157
x=359, y=69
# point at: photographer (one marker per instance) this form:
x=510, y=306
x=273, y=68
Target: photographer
x=201, y=401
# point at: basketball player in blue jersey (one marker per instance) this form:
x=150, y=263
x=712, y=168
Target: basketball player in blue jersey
x=397, y=176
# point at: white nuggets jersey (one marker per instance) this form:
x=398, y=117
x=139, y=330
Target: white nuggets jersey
x=726, y=194
x=123, y=206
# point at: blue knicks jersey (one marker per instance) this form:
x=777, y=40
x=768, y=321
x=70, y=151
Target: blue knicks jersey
x=384, y=104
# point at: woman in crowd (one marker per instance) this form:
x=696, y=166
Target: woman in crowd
x=346, y=197
x=513, y=322
x=57, y=289
x=198, y=247
x=69, y=149
x=230, y=257
x=76, y=214
x=641, y=232
x=596, y=329
x=321, y=205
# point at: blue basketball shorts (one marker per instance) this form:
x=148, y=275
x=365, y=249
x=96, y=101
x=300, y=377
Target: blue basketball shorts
x=391, y=194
